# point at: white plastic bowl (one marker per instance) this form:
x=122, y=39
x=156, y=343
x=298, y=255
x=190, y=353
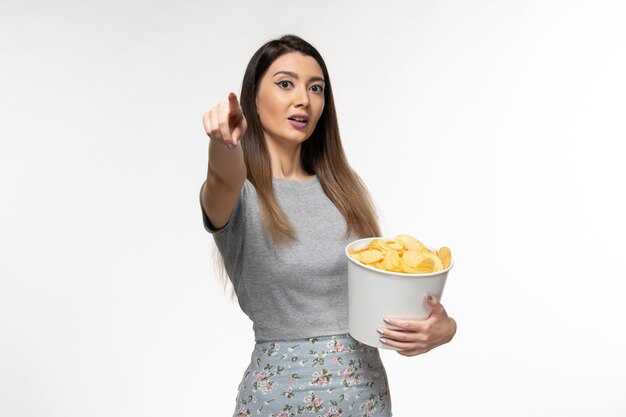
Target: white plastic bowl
x=374, y=294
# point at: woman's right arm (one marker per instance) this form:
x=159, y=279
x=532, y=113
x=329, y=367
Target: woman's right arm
x=226, y=173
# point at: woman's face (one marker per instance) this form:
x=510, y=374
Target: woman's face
x=290, y=98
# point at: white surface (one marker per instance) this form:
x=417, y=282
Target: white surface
x=494, y=126
x=374, y=294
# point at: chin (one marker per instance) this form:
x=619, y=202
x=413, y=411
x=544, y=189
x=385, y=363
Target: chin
x=293, y=137
x=298, y=138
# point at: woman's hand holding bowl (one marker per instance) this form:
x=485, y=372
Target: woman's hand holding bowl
x=420, y=336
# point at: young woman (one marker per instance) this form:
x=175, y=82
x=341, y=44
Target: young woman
x=282, y=202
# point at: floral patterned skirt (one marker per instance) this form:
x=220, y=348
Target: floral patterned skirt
x=326, y=376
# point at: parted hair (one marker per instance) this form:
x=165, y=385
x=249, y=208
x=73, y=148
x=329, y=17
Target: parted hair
x=321, y=154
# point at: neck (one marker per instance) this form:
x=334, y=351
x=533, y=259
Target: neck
x=285, y=160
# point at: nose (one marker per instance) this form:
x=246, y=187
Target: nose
x=302, y=97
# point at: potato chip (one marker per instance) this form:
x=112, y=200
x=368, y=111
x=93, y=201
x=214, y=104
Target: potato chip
x=437, y=263
x=412, y=258
x=445, y=256
x=426, y=265
x=371, y=256
x=390, y=245
x=391, y=261
x=410, y=243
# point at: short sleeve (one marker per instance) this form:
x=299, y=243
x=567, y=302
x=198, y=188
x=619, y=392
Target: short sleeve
x=234, y=217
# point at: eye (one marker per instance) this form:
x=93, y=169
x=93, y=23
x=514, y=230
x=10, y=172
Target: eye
x=284, y=84
x=318, y=88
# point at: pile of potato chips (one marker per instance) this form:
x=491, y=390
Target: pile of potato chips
x=402, y=254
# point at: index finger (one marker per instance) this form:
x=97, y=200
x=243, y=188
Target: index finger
x=233, y=104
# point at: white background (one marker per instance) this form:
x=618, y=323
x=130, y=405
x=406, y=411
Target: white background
x=493, y=127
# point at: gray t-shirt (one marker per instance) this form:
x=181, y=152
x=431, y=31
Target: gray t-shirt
x=296, y=291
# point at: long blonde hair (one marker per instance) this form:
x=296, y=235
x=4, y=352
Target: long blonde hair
x=321, y=154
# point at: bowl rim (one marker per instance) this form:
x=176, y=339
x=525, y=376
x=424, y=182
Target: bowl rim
x=392, y=273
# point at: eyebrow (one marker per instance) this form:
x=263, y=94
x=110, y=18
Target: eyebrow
x=294, y=75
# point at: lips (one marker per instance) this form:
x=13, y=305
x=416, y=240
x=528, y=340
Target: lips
x=297, y=124
x=301, y=118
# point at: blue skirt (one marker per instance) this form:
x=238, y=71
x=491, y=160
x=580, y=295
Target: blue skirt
x=326, y=376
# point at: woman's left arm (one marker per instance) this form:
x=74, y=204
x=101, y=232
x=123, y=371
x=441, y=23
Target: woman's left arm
x=420, y=336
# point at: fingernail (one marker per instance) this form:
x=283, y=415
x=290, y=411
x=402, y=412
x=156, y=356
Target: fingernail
x=382, y=340
x=381, y=331
x=430, y=297
x=386, y=320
